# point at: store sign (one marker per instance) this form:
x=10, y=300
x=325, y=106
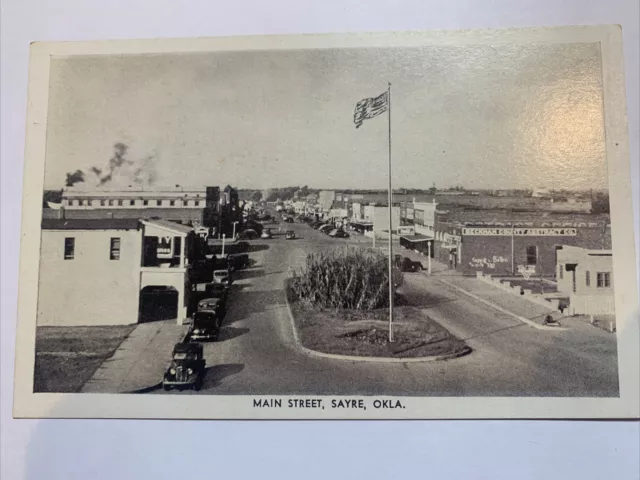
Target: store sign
x=452, y=238
x=406, y=230
x=164, y=247
x=520, y=232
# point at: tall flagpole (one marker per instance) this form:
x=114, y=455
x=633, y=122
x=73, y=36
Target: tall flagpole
x=391, y=282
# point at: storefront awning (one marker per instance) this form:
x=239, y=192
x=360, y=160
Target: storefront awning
x=416, y=238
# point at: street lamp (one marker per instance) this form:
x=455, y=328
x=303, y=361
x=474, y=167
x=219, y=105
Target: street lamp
x=234, y=229
x=223, y=237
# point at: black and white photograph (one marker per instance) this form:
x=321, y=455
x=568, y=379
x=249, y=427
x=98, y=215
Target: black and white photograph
x=337, y=226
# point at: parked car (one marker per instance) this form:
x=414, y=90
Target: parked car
x=405, y=264
x=339, y=233
x=266, y=233
x=326, y=228
x=290, y=235
x=238, y=261
x=206, y=324
x=288, y=219
x=216, y=290
x=214, y=304
x=222, y=277
x=248, y=234
x=186, y=369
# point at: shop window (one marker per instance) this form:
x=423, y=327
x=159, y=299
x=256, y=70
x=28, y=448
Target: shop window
x=587, y=278
x=114, y=249
x=532, y=255
x=69, y=248
x=603, y=279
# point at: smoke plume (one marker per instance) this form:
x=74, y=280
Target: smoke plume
x=75, y=177
x=120, y=165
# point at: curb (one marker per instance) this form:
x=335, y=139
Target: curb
x=531, y=323
x=352, y=358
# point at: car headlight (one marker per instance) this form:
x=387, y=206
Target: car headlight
x=196, y=330
x=189, y=371
x=172, y=371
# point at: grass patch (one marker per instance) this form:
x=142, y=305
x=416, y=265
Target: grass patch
x=67, y=357
x=365, y=332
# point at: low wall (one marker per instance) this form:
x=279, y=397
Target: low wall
x=592, y=305
x=552, y=304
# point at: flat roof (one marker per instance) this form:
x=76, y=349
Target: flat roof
x=90, y=224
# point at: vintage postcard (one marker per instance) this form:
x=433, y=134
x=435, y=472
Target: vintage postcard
x=395, y=225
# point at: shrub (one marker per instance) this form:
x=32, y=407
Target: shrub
x=347, y=278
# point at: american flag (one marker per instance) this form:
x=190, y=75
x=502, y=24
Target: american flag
x=370, y=108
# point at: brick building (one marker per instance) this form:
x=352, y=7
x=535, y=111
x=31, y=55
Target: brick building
x=502, y=243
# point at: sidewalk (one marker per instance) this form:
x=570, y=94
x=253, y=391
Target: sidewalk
x=140, y=360
x=516, y=305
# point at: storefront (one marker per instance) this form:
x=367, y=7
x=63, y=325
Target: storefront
x=508, y=250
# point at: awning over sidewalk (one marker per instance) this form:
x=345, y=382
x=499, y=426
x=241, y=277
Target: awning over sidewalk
x=416, y=238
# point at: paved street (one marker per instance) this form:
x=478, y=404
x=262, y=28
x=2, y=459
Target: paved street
x=256, y=353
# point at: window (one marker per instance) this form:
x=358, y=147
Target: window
x=185, y=203
x=119, y=203
x=81, y=202
x=102, y=203
x=603, y=279
x=197, y=203
x=532, y=255
x=145, y=202
x=114, y=248
x=69, y=248
x=561, y=271
x=587, y=278
x=132, y=202
x=110, y=203
x=172, y=203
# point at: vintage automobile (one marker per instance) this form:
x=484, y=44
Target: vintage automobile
x=222, y=277
x=238, y=261
x=186, y=369
x=206, y=322
x=249, y=234
x=216, y=304
x=405, y=264
x=339, y=233
x=217, y=290
x=326, y=229
x=290, y=235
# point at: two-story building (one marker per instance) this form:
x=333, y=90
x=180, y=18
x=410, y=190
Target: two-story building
x=113, y=271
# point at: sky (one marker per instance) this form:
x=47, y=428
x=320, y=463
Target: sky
x=503, y=116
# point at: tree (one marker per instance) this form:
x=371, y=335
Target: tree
x=256, y=196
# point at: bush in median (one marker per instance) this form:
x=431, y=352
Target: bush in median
x=345, y=279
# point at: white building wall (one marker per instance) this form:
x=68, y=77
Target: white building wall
x=381, y=218
x=90, y=289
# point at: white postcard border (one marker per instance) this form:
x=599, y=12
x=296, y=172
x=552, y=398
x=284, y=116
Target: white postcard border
x=49, y=405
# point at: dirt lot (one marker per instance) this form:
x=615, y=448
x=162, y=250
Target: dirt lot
x=357, y=333
x=66, y=357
